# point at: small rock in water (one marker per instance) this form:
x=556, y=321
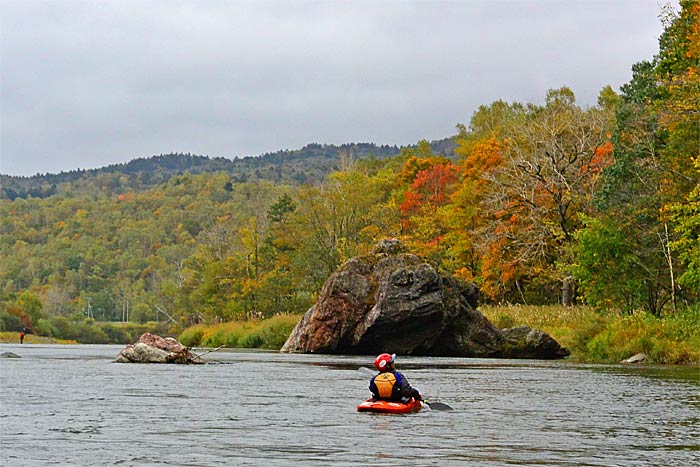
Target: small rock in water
x=638, y=358
x=155, y=349
x=9, y=355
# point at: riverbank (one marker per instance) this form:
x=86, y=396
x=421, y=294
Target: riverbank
x=269, y=333
x=592, y=337
x=13, y=338
x=609, y=337
x=62, y=330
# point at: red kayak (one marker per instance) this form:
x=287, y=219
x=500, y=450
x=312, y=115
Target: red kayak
x=389, y=407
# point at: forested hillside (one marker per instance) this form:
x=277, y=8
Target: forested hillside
x=543, y=203
x=310, y=164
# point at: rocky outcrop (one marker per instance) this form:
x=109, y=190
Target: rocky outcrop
x=393, y=301
x=155, y=349
x=524, y=342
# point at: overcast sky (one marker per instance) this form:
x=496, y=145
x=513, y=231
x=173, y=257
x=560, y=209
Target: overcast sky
x=86, y=84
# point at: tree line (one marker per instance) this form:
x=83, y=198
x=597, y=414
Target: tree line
x=543, y=203
x=310, y=164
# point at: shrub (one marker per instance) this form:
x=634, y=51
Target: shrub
x=192, y=337
x=608, y=337
x=43, y=327
x=116, y=334
x=275, y=331
x=88, y=333
x=268, y=334
x=10, y=322
x=251, y=341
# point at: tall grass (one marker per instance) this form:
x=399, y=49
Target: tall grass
x=610, y=337
x=11, y=337
x=266, y=334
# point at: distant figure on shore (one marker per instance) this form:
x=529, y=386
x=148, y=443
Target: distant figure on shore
x=21, y=337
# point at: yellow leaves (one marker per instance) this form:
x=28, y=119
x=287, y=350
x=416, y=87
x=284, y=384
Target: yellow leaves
x=693, y=36
x=464, y=274
x=683, y=86
x=485, y=156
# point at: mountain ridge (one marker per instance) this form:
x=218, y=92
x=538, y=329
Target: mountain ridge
x=308, y=164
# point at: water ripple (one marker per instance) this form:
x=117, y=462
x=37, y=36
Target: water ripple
x=69, y=405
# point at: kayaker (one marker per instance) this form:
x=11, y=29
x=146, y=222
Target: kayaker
x=389, y=384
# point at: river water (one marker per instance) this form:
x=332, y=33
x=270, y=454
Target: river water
x=70, y=405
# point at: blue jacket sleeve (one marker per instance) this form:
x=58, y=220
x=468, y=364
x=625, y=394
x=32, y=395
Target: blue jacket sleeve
x=405, y=388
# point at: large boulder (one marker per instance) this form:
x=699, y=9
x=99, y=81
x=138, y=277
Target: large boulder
x=155, y=349
x=393, y=301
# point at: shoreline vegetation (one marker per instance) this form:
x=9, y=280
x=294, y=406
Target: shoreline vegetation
x=609, y=337
x=590, y=335
x=12, y=337
x=268, y=333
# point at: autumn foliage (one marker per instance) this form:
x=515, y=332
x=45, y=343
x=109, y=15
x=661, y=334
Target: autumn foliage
x=536, y=203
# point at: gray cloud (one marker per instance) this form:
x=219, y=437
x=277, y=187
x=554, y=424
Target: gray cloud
x=86, y=84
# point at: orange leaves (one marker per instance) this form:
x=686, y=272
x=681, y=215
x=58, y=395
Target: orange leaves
x=430, y=187
x=601, y=159
x=497, y=269
x=412, y=202
x=465, y=274
x=435, y=241
x=433, y=182
x=130, y=196
x=423, y=212
x=485, y=157
x=414, y=165
x=509, y=271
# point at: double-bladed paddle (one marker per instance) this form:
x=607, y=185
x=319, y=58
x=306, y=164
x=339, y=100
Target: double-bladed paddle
x=437, y=405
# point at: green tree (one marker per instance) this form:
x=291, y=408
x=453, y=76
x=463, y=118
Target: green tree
x=686, y=218
x=607, y=268
x=656, y=136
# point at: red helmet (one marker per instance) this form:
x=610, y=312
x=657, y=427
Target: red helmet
x=382, y=362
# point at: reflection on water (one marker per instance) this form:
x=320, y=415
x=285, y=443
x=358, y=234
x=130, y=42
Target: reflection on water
x=69, y=405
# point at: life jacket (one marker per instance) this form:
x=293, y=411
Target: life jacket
x=385, y=383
